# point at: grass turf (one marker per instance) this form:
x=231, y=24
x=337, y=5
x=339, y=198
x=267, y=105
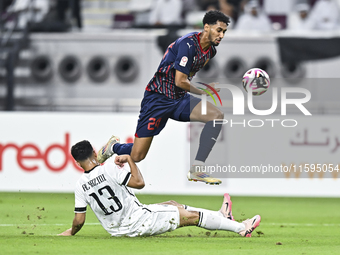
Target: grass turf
x=30, y=222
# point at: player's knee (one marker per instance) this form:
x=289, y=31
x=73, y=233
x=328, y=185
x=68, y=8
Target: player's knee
x=172, y=202
x=214, y=114
x=136, y=157
x=188, y=218
x=193, y=218
x=218, y=115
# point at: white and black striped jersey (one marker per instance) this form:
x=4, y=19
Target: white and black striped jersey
x=114, y=204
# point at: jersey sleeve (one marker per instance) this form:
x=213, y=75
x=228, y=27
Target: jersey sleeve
x=185, y=56
x=121, y=175
x=80, y=201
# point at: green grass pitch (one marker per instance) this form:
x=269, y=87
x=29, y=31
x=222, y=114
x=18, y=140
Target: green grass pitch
x=30, y=222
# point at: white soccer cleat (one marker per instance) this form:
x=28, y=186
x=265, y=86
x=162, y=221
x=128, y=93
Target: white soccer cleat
x=250, y=225
x=202, y=177
x=226, y=207
x=107, y=150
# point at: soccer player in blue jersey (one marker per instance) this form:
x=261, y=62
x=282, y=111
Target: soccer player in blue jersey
x=166, y=96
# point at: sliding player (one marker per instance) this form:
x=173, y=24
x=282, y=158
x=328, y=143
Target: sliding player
x=105, y=189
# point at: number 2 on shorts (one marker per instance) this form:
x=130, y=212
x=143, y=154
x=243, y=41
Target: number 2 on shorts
x=154, y=122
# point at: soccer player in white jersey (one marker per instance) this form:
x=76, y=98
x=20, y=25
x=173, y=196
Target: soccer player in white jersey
x=106, y=189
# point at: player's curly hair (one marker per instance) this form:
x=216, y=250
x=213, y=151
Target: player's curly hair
x=211, y=17
x=82, y=150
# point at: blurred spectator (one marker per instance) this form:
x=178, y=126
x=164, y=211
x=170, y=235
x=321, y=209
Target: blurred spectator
x=140, y=9
x=325, y=15
x=234, y=8
x=229, y=7
x=228, y=10
x=4, y=4
x=29, y=11
x=76, y=12
x=275, y=7
x=207, y=5
x=278, y=12
x=188, y=6
x=47, y=16
x=300, y=20
x=63, y=8
x=253, y=19
x=166, y=12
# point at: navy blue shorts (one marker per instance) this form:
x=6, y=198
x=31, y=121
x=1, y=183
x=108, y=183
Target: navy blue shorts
x=156, y=109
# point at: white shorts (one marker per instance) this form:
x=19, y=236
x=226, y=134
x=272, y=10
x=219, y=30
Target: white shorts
x=157, y=219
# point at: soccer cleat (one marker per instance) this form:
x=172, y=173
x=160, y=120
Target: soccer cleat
x=250, y=225
x=202, y=177
x=107, y=150
x=226, y=207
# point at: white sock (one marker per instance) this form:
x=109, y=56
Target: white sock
x=190, y=208
x=198, y=163
x=197, y=166
x=213, y=222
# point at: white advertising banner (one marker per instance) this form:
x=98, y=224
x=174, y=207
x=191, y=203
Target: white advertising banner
x=35, y=154
x=35, y=150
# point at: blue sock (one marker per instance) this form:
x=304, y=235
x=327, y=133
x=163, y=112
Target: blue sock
x=122, y=148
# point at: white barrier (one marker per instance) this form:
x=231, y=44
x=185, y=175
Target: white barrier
x=34, y=154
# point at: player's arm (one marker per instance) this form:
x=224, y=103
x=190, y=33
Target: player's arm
x=182, y=81
x=136, y=180
x=78, y=222
x=183, y=63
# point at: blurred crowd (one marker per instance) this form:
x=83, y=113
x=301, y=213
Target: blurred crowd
x=249, y=15
x=246, y=15
x=42, y=15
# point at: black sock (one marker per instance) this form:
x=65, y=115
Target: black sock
x=207, y=140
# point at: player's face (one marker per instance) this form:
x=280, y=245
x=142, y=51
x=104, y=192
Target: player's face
x=216, y=32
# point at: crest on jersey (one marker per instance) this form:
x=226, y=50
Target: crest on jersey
x=184, y=61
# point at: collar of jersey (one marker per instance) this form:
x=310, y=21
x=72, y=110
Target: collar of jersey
x=87, y=172
x=199, y=43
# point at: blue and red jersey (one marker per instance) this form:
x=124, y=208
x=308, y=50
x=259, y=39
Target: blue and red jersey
x=185, y=55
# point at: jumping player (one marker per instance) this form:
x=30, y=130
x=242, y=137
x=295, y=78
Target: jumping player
x=166, y=96
x=105, y=189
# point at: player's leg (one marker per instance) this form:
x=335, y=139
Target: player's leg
x=209, y=132
x=152, y=119
x=189, y=109
x=108, y=149
x=137, y=150
x=210, y=221
x=226, y=207
x=113, y=146
x=187, y=218
x=140, y=148
x=225, y=210
x=207, y=140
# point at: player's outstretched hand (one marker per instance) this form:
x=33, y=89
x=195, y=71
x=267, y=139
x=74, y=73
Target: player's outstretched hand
x=213, y=84
x=66, y=232
x=121, y=159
